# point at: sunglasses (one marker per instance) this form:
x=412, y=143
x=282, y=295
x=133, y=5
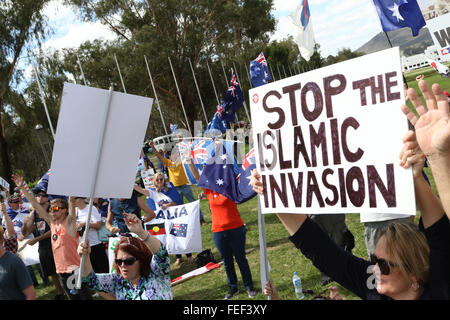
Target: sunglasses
x=384, y=265
x=16, y=201
x=56, y=208
x=160, y=179
x=128, y=261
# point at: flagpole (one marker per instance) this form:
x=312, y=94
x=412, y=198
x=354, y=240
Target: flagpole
x=248, y=77
x=94, y=179
x=389, y=40
x=225, y=74
x=245, y=104
x=284, y=70
x=212, y=80
x=279, y=73
x=198, y=91
x=120, y=74
x=271, y=71
x=81, y=69
x=41, y=92
x=264, y=265
x=179, y=95
x=156, y=96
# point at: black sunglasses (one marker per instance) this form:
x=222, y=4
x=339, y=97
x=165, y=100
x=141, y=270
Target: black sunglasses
x=128, y=261
x=383, y=264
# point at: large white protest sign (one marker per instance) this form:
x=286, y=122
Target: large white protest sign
x=77, y=142
x=178, y=227
x=328, y=141
x=439, y=28
x=28, y=253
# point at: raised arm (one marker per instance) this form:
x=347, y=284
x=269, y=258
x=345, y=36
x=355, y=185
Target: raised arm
x=432, y=128
x=155, y=152
x=18, y=180
x=412, y=156
x=109, y=221
x=149, y=213
x=8, y=223
x=141, y=190
x=135, y=226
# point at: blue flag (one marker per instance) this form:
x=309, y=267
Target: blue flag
x=199, y=151
x=218, y=122
x=245, y=190
x=259, y=71
x=396, y=14
x=42, y=186
x=219, y=174
x=233, y=100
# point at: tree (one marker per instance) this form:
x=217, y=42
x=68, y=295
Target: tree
x=202, y=31
x=342, y=55
x=21, y=22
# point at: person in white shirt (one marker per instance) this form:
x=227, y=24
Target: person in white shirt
x=98, y=256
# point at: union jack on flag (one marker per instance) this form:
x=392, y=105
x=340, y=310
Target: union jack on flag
x=261, y=60
x=233, y=84
x=249, y=159
x=199, y=153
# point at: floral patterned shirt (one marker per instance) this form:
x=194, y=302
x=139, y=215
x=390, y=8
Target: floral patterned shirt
x=154, y=287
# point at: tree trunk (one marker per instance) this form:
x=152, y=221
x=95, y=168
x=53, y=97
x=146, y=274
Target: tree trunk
x=7, y=171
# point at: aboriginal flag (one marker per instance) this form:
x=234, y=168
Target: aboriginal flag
x=156, y=229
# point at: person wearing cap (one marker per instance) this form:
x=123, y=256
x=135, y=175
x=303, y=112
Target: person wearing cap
x=10, y=242
x=41, y=231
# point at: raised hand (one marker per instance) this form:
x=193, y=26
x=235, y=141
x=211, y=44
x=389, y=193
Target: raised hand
x=133, y=223
x=18, y=180
x=432, y=125
x=411, y=154
x=257, y=185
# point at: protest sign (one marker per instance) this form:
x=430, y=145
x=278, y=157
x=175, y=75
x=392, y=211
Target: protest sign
x=77, y=142
x=178, y=227
x=327, y=141
x=439, y=28
x=28, y=253
x=4, y=183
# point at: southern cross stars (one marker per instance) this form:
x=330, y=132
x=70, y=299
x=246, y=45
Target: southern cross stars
x=396, y=12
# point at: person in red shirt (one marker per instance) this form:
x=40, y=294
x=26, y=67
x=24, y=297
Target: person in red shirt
x=229, y=237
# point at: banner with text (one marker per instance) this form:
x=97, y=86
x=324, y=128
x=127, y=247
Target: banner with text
x=328, y=141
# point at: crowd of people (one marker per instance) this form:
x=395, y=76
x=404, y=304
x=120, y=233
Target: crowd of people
x=406, y=261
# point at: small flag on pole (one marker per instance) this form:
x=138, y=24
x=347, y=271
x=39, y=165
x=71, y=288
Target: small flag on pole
x=443, y=70
x=305, y=34
x=259, y=71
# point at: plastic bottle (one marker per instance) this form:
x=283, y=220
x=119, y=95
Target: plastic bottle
x=298, y=286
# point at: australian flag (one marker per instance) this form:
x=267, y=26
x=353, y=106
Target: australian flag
x=178, y=229
x=396, y=14
x=259, y=71
x=218, y=122
x=221, y=172
x=233, y=100
x=200, y=151
x=43, y=184
x=245, y=190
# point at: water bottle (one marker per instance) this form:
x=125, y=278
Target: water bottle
x=298, y=286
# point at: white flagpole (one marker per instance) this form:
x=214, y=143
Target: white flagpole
x=278, y=68
x=179, y=95
x=264, y=265
x=94, y=178
x=271, y=71
x=156, y=96
x=245, y=105
x=41, y=92
x=198, y=91
x=284, y=70
x=212, y=80
x=81, y=69
x=120, y=74
x=248, y=77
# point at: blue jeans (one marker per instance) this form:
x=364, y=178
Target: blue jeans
x=186, y=192
x=232, y=243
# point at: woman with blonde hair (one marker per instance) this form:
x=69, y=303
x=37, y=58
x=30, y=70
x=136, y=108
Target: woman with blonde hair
x=165, y=195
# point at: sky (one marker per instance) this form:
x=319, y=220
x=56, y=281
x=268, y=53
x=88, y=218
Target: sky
x=337, y=24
